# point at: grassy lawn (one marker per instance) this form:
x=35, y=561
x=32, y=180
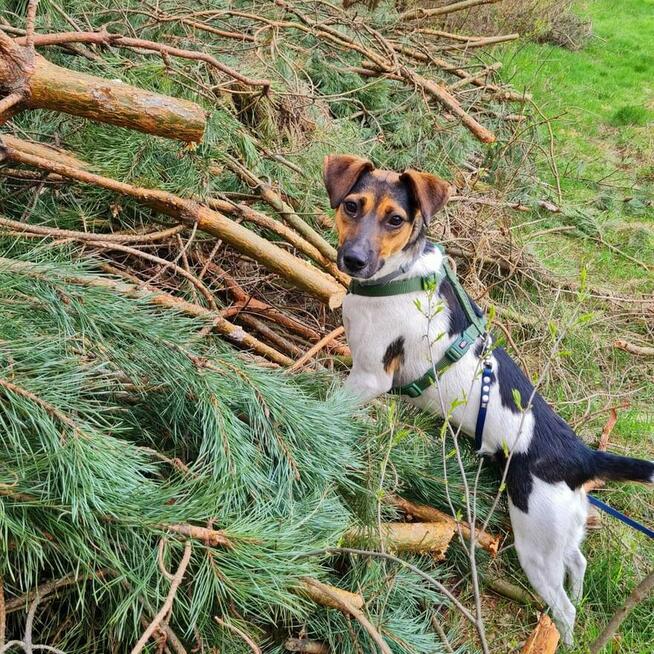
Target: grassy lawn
x=601, y=103
x=600, y=100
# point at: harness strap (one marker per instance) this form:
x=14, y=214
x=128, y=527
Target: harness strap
x=621, y=516
x=486, y=382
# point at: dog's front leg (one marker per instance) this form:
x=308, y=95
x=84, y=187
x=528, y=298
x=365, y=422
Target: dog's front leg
x=366, y=383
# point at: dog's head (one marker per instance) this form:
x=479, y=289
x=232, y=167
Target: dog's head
x=379, y=213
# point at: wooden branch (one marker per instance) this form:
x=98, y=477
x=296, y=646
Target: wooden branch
x=7, y=103
x=423, y=537
x=240, y=633
x=311, y=353
x=343, y=603
x=168, y=604
x=285, y=210
x=105, y=38
x=305, y=645
x=637, y=595
x=248, y=214
x=212, y=222
x=429, y=514
x=45, y=151
x=48, y=86
x=328, y=596
x=210, y=537
x=236, y=334
x=442, y=95
x=420, y=12
x=638, y=350
x=544, y=639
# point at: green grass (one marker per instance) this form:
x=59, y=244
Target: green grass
x=601, y=104
x=600, y=101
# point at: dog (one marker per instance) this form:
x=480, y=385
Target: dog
x=381, y=220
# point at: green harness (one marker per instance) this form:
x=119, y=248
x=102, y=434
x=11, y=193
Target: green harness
x=429, y=282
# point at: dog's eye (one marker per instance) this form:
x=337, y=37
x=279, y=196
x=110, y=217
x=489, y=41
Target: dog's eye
x=395, y=221
x=350, y=207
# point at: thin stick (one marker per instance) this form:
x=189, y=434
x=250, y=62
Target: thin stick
x=412, y=14
x=8, y=102
x=168, y=604
x=240, y=633
x=636, y=596
x=638, y=350
x=423, y=575
x=105, y=38
x=357, y=614
x=311, y=353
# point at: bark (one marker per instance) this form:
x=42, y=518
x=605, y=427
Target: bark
x=45, y=85
x=544, y=639
x=421, y=537
x=412, y=14
x=638, y=350
x=305, y=645
x=429, y=514
x=295, y=270
x=328, y=596
x=45, y=151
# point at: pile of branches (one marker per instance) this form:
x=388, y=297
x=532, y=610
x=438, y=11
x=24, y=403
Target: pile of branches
x=281, y=77
x=165, y=248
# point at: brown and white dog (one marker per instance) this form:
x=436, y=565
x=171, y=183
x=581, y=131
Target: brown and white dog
x=382, y=219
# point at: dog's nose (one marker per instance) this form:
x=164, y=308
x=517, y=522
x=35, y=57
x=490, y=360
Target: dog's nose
x=354, y=261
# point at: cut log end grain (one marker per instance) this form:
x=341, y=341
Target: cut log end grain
x=544, y=639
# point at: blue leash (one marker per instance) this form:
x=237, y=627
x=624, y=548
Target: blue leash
x=486, y=382
x=621, y=516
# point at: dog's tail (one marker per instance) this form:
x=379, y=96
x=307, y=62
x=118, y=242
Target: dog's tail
x=612, y=467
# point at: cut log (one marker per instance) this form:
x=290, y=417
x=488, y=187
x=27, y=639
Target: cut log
x=45, y=85
x=544, y=639
x=429, y=514
x=421, y=537
x=420, y=12
x=295, y=270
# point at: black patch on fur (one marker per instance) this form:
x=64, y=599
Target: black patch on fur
x=458, y=319
x=555, y=453
x=394, y=351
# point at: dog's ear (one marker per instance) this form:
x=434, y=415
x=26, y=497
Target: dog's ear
x=429, y=192
x=340, y=173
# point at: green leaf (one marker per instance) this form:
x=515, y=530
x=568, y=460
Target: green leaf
x=517, y=398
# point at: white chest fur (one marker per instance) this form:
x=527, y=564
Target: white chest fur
x=373, y=323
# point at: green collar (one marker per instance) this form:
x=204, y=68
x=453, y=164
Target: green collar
x=399, y=287
x=461, y=344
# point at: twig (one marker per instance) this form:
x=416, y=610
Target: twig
x=389, y=557
x=638, y=350
x=168, y=604
x=311, y=353
x=637, y=595
x=419, y=12
x=357, y=614
x=8, y=102
x=240, y=633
